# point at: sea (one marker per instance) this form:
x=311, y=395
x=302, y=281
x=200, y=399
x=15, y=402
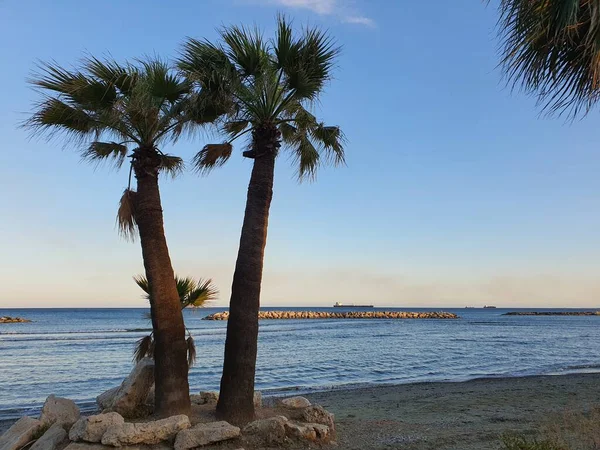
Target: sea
x=79, y=353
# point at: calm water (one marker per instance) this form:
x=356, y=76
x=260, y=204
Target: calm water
x=78, y=353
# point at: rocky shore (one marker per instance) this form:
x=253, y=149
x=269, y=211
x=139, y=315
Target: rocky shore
x=8, y=319
x=264, y=315
x=126, y=420
x=552, y=313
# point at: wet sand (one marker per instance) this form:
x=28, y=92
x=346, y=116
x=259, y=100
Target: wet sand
x=460, y=416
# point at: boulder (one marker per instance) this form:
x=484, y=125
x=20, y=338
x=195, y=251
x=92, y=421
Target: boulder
x=295, y=402
x=207, y=397
x=131, y=395
x=22, y=431
x=268, y=432
x=92, y=428
x=59, y=410
x=313, y=432
x=145, y=433
x=150, y=396
x=84, y=446
x=105, y=400
x=204, y=434
x=257, y=399
x=52, y=438
x=318, y=414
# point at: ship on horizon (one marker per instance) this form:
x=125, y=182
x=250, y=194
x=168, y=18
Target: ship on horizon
x=341, y=305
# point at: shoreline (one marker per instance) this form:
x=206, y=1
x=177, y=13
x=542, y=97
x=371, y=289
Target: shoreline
x=434, y=406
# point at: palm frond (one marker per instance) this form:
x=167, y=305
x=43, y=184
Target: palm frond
x=144, y=348
x=53, y=114
x=143, y=284
x=331, y=139
x=106, y=151
x=172, y=165
x=308, y=158
x=211, y=156
x=126, y=222
x=235, y=127
x=191, y=351
x=551, y=50
x=197, y=293
x=246, y=48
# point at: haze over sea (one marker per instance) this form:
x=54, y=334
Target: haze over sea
x=79, y=353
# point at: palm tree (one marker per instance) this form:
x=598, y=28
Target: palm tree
x=270, y=84
x=191, y=293
x=121, y=112
x=551, y=48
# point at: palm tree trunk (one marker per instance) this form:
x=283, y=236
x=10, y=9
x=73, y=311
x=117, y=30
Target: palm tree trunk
x=237, y=383
x=172, y=395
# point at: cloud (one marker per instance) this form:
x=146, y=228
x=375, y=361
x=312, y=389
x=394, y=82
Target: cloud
x=360, y=20
x=342, y=9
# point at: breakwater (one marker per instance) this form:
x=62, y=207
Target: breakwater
x=8, y=319
x=264, y=315
x=552, y=313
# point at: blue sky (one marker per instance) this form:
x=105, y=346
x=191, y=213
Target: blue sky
x=456, y=192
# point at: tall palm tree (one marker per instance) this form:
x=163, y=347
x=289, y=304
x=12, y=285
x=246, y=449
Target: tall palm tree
x=270, y=84
x=192, y=293
x=121, y=112
x=551, y=48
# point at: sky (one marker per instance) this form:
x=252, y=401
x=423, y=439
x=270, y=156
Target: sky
x=456, y=191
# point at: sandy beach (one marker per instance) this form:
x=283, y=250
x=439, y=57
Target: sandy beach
x=469, y=415
x=459, y=416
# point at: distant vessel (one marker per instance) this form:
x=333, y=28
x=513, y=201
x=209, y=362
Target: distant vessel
x=469, y=307
x=341, y=305
x=489, y=306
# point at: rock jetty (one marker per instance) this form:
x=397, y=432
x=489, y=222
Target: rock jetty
x=265, y=315
x=552, y=313
x=8, y=319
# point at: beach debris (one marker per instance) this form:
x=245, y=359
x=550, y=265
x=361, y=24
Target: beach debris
x=59, y=410
x=274, y=315
x=129, y=398
x=314, y=432
x=145, y=433
x=295, y=402
x=8, y=319
x=92, y=428
x=204, y=434
x=23, y=431
x=267, y=432
x=52, y=438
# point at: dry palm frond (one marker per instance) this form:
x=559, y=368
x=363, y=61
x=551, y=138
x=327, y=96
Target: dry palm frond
x=172, y=165
x=106, y=151
x=211, y=156
x=144, y=348
x=126, y=215
x=191, y=351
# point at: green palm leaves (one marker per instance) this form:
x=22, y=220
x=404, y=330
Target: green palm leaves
x=116, y=112
x=268, y=83
x=551, y=48
x=192, y=293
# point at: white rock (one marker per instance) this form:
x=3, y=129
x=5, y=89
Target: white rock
x=269, y=431
x=145, y=433
x=59, y=410
x=295, y=402
x=257, y=399
x=92, y=428
x=318, y=414
x=307, y=431
x=204, y=434
x=132, y=393
x=52, y=438
x=207, y=397
x=20, y=433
